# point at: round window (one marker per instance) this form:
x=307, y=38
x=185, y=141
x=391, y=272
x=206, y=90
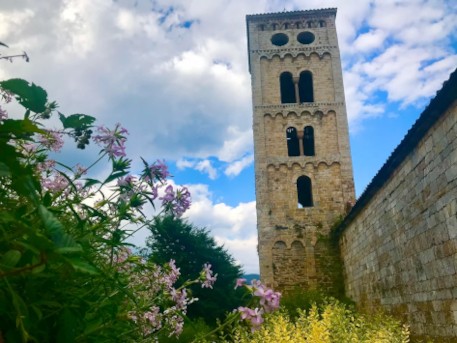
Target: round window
x=279, y=39
x=305, y=37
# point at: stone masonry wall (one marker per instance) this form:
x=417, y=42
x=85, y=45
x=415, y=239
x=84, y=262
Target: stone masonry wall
x=290, y=248
x=400, y=250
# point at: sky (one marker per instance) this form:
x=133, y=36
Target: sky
x=175, y=74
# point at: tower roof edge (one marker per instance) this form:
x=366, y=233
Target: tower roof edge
x=289, y=14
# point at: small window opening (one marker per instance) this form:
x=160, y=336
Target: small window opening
x=305, y=194
x=309, y=24
x=262, y=27
x=286, y=26
x=297, y=25
x=274, y=26
x=293, y=147
x=322, y=23
x=305, y=87
x=287, y=88
x=279, y=39
x=308, y=141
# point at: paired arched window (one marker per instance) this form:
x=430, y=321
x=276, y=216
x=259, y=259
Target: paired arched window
x=290, y=90
x=287, y=88
x=308, y=141
x=295, y=139
x=305, y=87
x=293, y=146
x=304, y=191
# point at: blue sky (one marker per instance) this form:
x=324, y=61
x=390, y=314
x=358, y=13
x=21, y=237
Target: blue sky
x=174, y=72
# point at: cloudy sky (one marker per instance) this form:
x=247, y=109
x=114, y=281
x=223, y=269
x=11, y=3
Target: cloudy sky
x=175, y=74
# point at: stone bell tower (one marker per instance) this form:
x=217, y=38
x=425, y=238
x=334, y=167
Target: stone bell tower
x=303, y=166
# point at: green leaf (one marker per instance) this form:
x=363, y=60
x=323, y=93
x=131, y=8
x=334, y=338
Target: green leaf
x=51, y=223
x=18, y=128
x=115, y=176
x=47, y=199
x=76, y=121
x=4, y=170
x=11, y=258
x=30, y=96
x=82, y=266
x=66, y=327
x=91, y=182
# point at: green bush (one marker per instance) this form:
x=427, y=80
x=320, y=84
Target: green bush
x=332, y=322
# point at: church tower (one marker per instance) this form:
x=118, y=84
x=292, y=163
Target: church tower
x=303, y=167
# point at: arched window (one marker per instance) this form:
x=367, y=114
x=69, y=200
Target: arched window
x=305, y=194
x=293, y=147
x=305, y=87
x=287, y=88
x=308, y=141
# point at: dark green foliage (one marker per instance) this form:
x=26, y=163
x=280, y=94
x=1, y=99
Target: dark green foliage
x=28, y=95
x=191, y=248
x=194, y=331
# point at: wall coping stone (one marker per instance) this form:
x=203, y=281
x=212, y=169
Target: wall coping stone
x=432, y=113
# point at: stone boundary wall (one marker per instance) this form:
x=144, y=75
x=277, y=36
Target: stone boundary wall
x=399, y=242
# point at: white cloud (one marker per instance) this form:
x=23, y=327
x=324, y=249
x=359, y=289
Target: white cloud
x=237, y=167
x=369, y=41
x=234, y=226
x=206, y=167
x=236, y=144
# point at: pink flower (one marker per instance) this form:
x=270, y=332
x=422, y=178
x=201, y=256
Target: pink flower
x=113, y=142
x=254, y=317
x=156, y=171
x=3, y=115
x=240, y=283
x=207, y=277
x=55, y=184
x=176, y=203
x=52, y=140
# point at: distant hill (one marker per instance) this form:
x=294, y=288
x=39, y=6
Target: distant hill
x=250, y=277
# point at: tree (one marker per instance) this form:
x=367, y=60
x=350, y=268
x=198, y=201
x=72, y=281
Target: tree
x=191, y=247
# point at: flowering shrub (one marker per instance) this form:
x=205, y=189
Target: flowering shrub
x=333, y=323
x=66, y=271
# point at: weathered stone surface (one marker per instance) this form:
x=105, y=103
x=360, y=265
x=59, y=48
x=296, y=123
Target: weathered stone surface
x=293, y=249
x=400, y=250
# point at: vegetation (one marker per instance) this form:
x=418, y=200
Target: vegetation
x=332, y=322
x=191, y=247
x=68, y=275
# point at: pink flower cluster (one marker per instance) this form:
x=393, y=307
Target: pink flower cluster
x=52, y=140
x=7, y=97
x=156, y=171
x=112, y=142
x=158, y=283
x=268, y=302
x=3, y=115
x=207, y=278
x=178, y=202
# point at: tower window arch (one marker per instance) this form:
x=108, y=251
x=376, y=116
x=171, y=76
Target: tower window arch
x=305, y=87
x=308, y=141
x=304, y=191
x=293, y=147
x=287, y=88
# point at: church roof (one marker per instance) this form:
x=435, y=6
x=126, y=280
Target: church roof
x=432, y=113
